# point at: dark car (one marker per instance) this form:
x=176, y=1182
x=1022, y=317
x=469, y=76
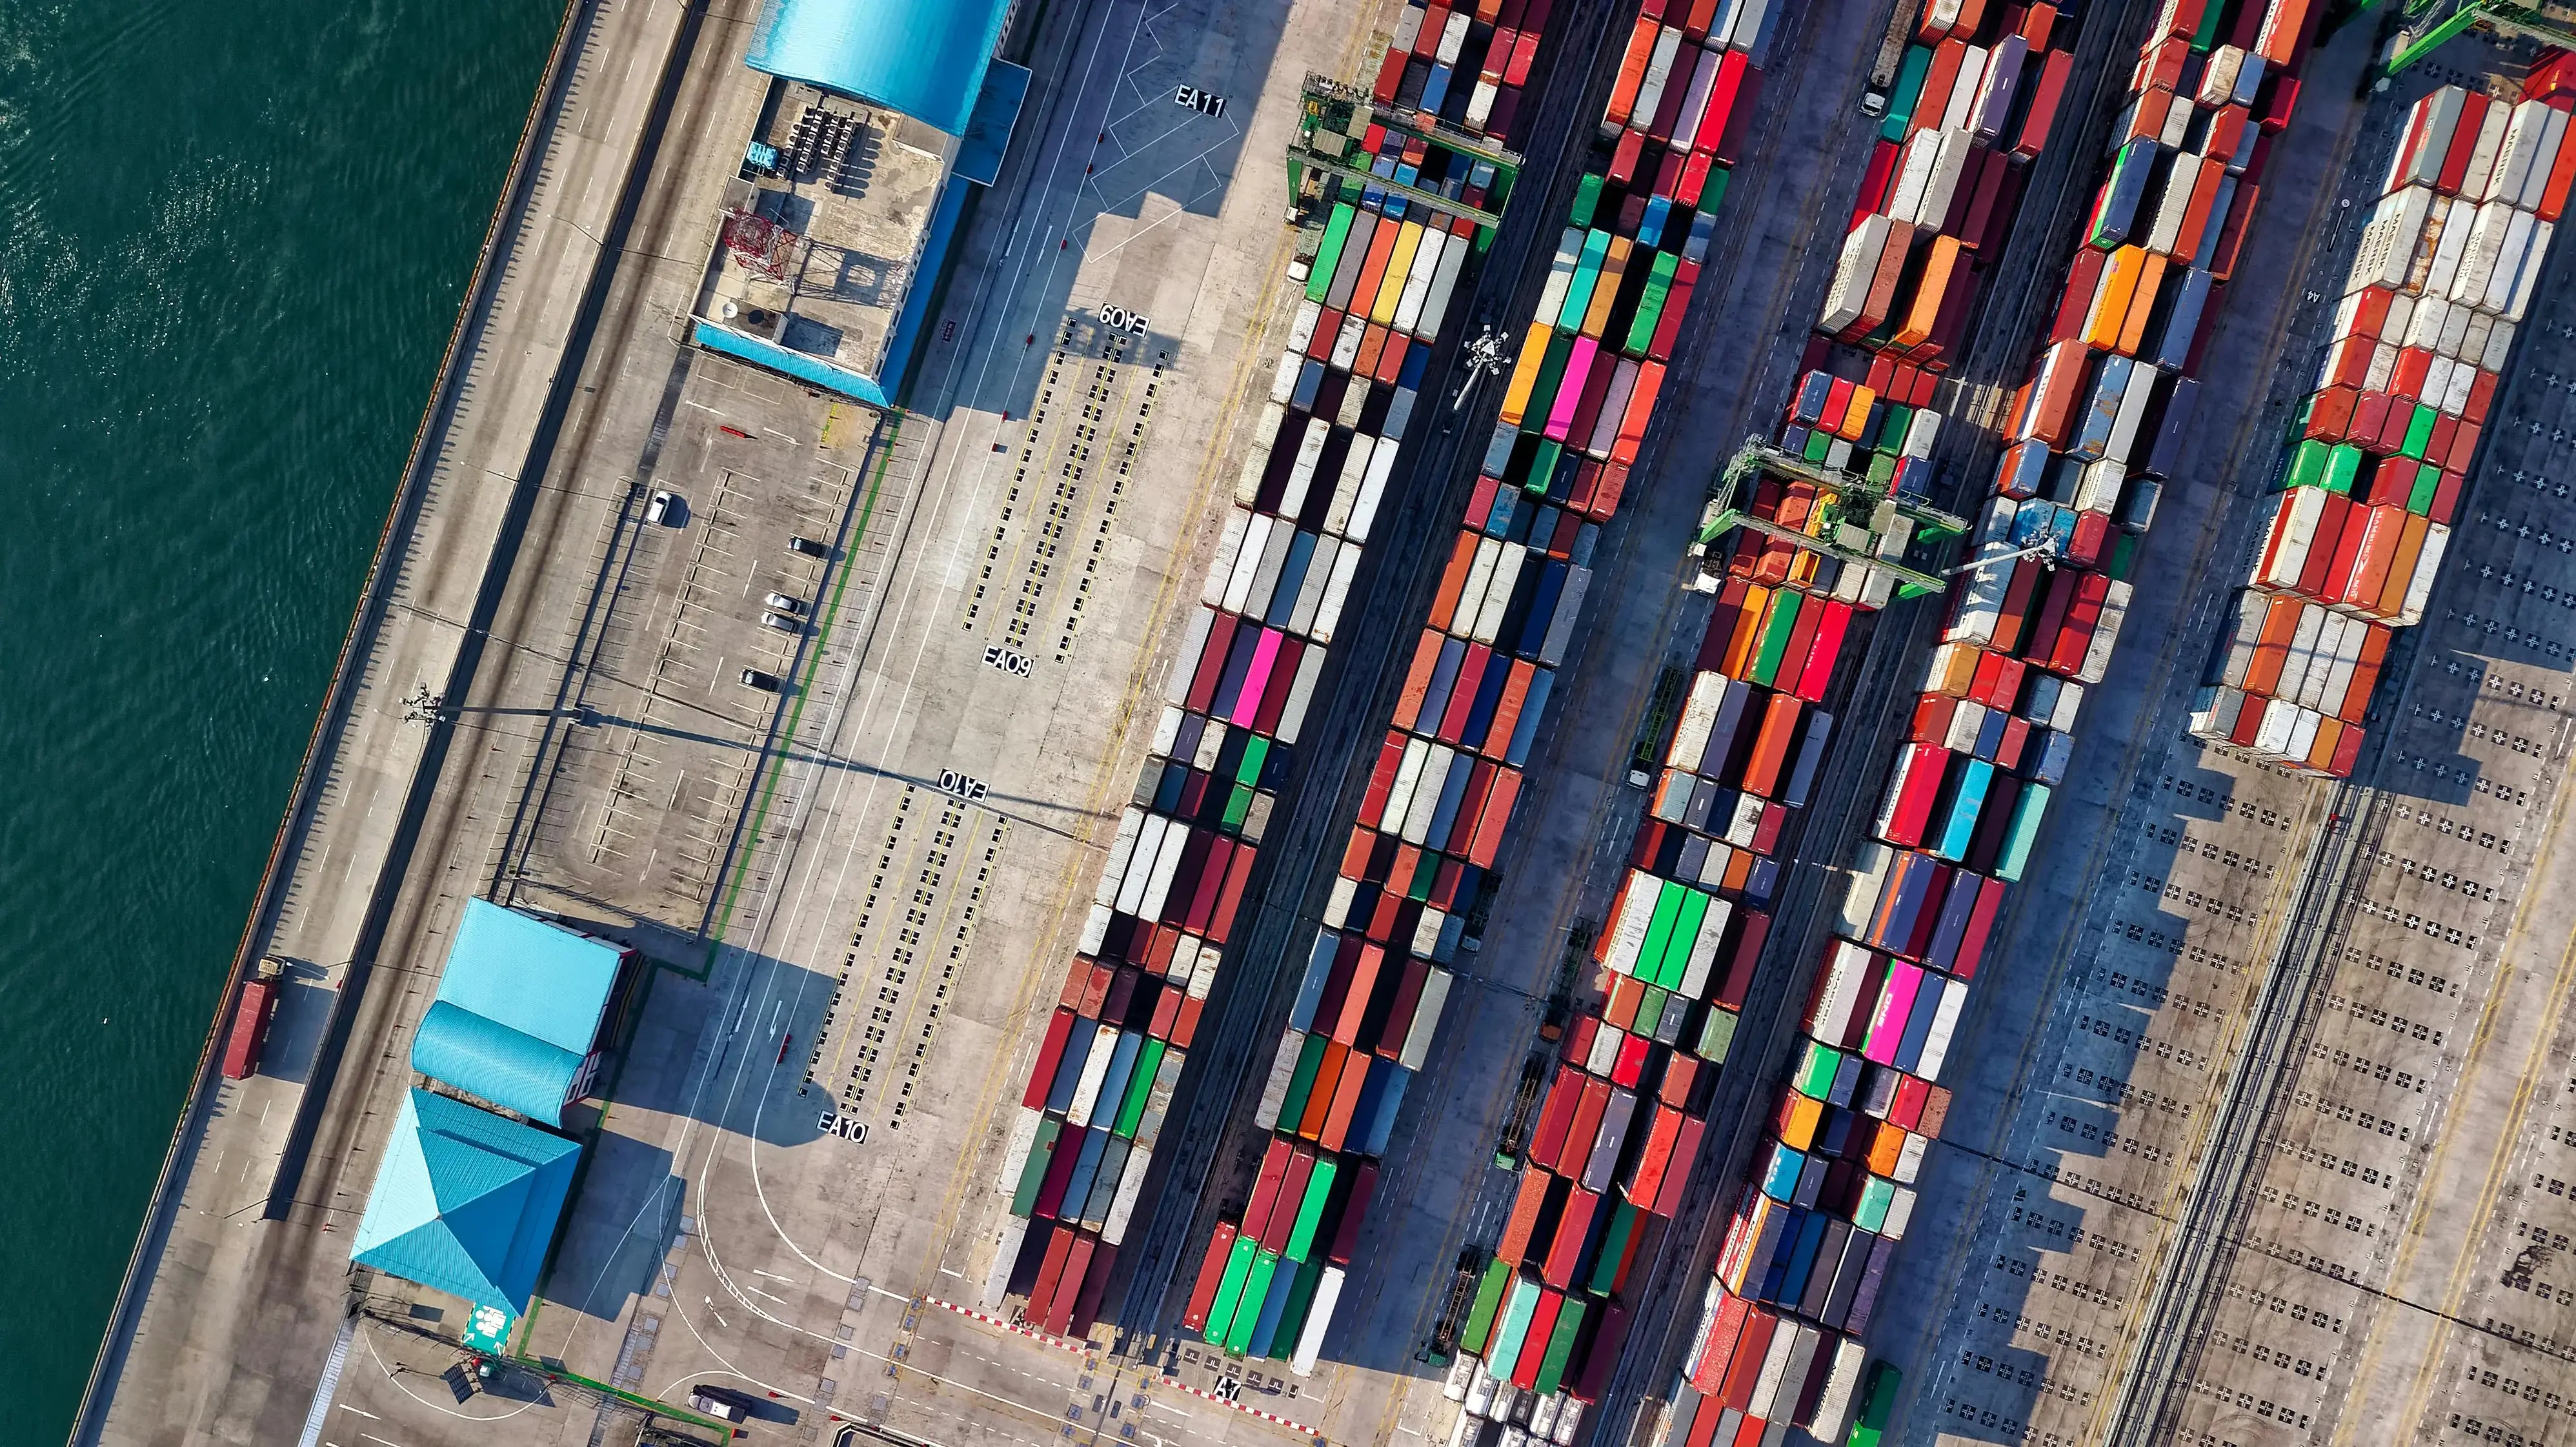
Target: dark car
x=765, y=682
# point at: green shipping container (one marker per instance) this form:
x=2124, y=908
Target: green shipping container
x=1815, y=1078
x=1713, y=194
x=1319, y=277
x=1650, y=305
x=1907, y=92
x=1819, y=443
x=1650, y=1011
x=1512, y=1328
x=2027, y=812
x=1587, y=198
x=1551, y=370
x=1301, y=1081
x=1659, y=931
x=2307, y=465
x=1614, y=1247
x=1676, y=962
x=1489, y=1300
x=1875, y=1197
x=2420, y=500
x=1229, y=1288
x=1426, y=874
x=2122, y=553
x=1292, y=1318
x=1716, y=1036
x=1140, y=1087
x=1775, y=637
x=1587, y=275
x=1310, y=1211
x=2419, y=432
x=2343, y=467
x=1256, y=1291
x=1024, y=1198
x=1542, y=461
x=1560, y=1346
x=1882, y=468
x=1237, y=805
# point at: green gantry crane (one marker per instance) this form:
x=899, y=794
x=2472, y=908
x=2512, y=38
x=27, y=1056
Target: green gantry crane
x=1865, y=525
x=2430, y=22
x=1332, y=117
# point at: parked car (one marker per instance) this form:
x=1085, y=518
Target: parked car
x=765, y=682
x=661, y=509
x=792, y=607
x=799, y=543
x=782, y=622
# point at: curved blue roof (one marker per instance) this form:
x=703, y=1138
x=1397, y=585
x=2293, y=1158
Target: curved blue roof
x=925, y=58
x=481, y=1056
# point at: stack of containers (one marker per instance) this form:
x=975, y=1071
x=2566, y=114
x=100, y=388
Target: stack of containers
x=1464, y=62
x=2371, y=481
x=1382, y=279
x=2100, y=423
x=1976, y=98
x=1620, y=1123
x=1448, y=768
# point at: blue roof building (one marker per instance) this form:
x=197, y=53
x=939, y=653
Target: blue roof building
x=519, y=1011
x=465, y=1202
x=925, y=58
x=844, y=311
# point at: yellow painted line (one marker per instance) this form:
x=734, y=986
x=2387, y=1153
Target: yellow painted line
x=2418, y=1225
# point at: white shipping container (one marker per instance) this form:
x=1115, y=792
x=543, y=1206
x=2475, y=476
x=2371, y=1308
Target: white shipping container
x=1095, y=1070
x=1659, y=73
x=1853, y=273
x=1498, y=593
x=2535, y=186
x=2529, y=279
x=1963, y=93
x=1346, y=342
x=1860, y=896
x=1913, y=174
x=1131, y=1184
x=1949, y=164
x=2517, y=255
x=1328, y=1295
x=1560, y=274
x=1636, y=913
x=2218, y=77
x=1283, y=1067
x=1699, y=715
x=1426, y=1020
x=2428, y=564
x=1833, y=1405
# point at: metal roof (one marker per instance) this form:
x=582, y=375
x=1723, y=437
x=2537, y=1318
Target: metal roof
x=925, y=58
x=517, y=1010
x=484, y=1057
x=466, y=1201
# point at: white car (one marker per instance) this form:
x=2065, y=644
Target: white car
x=659, y=509
x=792, y=607
x=717, y=1403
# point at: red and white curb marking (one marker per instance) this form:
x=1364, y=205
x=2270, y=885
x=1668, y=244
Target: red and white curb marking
x=1083, y=1348
x=1078, y=1348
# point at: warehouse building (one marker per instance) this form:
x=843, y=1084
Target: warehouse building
x=881, y=114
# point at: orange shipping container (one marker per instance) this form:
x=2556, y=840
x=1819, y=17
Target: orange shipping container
x=1771, y=745
x=2272, y=646
x=2142, y=304
x=1514, y=1247
x=1319, y=1098
x=1748, y=631
x=1346, y=1099
x=1881, y=297
x=1641, y=408
x=1632, y=73
x=1941, y=271
x=1453, y=581
x=1417, y=679
x=2112, y=296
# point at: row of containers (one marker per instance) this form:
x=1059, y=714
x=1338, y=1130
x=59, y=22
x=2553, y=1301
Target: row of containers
x=1434, y=815
x=2093, y=436
x=1811, y=1236
x=1384, y=273
x=2369, y=484
x=1977, y=99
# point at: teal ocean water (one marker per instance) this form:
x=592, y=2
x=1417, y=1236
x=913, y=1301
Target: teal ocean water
x=232, y=240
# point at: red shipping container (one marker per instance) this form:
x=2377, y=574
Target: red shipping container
x=2045, y=98
x=1211, y=1276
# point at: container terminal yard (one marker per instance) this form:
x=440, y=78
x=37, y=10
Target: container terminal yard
x=1659, y=722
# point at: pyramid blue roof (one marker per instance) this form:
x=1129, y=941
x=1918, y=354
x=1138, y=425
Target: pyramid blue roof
x=925, y=58
x=518, y=1008
x=466, y=1201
